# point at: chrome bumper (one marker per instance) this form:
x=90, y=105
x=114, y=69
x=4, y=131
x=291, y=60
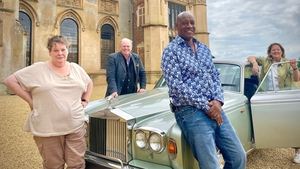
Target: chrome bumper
x=96, y=161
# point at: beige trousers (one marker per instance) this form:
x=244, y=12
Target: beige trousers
x=68, y=149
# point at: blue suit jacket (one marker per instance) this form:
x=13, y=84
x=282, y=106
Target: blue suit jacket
x=116, y=72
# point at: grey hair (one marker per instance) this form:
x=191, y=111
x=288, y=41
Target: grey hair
x=126, y=39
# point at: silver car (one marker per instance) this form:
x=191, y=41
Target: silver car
x=140, y=131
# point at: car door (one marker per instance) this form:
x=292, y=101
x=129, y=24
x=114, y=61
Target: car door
x=276, y=111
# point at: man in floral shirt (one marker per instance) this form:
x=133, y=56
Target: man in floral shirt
x=197, y=98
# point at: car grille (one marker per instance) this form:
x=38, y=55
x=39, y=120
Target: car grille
x=108, y=137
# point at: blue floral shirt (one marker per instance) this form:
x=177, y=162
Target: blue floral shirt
x=191, y=76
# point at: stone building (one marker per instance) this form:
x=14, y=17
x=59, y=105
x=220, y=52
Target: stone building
x=94, y=28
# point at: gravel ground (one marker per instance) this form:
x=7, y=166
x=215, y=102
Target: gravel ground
x=18, y=150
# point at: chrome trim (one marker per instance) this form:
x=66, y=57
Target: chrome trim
x=125, y=116
x=116, y=114
x=116, y=139
x=113, y=138
x=106, y=157
x=148, y=131
x=151, y=129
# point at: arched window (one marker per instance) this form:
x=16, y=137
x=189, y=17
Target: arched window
x=107, y=45
x=27, y=25
x=69, y=29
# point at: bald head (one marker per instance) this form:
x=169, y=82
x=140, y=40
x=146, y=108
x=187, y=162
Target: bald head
x=183, y=15
x=185, y=25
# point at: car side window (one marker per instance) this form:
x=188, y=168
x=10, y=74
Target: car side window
x=230, y=76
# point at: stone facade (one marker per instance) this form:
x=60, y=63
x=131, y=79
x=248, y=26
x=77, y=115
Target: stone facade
x=144, y=21
x=151, y=30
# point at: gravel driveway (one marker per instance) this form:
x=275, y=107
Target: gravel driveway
x=18, y=150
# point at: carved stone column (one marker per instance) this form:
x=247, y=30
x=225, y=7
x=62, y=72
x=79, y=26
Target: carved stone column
x=155, y=36
x=200, y=13
x=12, y=45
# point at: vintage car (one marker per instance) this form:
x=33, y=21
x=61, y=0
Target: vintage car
x=140, y=131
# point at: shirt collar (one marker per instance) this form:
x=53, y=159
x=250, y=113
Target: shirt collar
x=180, y=40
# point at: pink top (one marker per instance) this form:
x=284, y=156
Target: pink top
x=57, y=108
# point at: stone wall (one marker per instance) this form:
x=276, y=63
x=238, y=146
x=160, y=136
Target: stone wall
x=149, y=36
x=12, y=41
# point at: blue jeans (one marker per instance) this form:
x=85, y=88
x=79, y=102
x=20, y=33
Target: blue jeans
x=204, y=137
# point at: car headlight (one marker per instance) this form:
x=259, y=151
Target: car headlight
x=140, y=139
x=156, y=142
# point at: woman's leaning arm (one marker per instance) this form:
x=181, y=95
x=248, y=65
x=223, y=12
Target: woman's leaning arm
x=252, y=59
x=12, y=83
x=255, y=67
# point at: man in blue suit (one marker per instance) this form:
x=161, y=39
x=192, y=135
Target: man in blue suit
x=124, y=71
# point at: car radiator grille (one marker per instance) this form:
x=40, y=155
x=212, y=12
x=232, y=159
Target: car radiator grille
x=109, y=138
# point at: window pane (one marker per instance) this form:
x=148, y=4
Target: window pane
x=107, y=43
x=140, y=15
x=173, y=10
x=69, y=29
x=26, y=23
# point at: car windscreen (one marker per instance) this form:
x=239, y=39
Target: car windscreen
x=230, y=75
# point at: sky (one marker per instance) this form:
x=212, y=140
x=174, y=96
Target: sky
x=240, y=28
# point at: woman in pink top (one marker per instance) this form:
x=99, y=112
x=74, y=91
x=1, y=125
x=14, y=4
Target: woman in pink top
x=57, y=92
